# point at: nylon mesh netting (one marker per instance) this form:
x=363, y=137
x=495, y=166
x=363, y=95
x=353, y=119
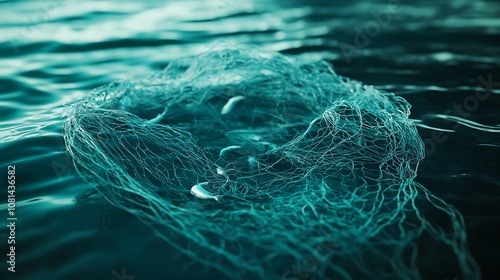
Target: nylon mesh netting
x=311, y=170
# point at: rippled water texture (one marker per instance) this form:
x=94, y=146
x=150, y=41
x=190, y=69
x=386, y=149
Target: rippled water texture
x=317, y=176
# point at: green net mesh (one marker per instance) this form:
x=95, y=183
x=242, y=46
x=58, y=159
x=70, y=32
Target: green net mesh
x=313, y=173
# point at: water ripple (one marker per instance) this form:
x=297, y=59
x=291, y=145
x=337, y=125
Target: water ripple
x=468, y=123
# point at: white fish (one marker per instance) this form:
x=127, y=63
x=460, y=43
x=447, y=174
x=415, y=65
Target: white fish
x=228, y=107
x=158, y=118
x=229, y=148
x=198, y=191
x=221, y=171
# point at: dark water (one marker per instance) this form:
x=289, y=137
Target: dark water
x=442, y=56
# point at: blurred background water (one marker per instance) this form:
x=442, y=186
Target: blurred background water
x=442, y=56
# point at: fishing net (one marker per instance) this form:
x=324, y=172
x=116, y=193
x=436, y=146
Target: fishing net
x=305, y=174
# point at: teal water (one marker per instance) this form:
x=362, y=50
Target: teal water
x=54, y=53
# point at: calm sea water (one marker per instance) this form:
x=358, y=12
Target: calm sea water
x=442, y=56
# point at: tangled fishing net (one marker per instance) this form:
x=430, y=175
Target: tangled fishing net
x=301, y=173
